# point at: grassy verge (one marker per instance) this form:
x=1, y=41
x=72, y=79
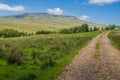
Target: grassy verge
x=114, y=37
x=97, y=54
x=39, y=57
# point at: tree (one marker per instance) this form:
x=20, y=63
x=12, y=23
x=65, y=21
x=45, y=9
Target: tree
x=43, y=32
x=102, y=29
x=76, y=29
x=111, y=27
x=91, y=30
x=95, y=29
x=85, y=28
x=11, y=33
x=64, y=31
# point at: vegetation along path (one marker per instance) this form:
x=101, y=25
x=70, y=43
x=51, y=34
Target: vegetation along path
x=97, y=61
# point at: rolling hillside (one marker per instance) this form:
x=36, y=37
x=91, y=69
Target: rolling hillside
x=31, y=22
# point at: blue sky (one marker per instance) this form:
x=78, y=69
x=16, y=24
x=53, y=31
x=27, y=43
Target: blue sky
x=98, y=11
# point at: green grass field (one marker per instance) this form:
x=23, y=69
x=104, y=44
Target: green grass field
x=114, y=36
x=39, y=57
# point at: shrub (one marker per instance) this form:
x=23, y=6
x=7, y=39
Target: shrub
x=35, y=55
x=2, y=54
x=29, y=76
x=11, y=33
x=16, y=57
x=76, y=29
x=47, y=61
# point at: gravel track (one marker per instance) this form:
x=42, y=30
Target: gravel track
x=85, y=67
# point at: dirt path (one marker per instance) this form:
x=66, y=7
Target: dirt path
x=97, y=61
x=110, y=60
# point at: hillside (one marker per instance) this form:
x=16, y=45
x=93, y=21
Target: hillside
x=31, y=22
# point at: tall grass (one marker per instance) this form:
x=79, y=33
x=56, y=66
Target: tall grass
x=114, y=36
x=39, y=57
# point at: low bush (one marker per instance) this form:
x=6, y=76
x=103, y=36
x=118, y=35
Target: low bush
x=29, y=76
x=11, y=33
x=16, y=56
x=76, y=29
x=47, y=61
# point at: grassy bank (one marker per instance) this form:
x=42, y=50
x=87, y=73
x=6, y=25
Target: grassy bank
x=39, y=57
x=114, y=37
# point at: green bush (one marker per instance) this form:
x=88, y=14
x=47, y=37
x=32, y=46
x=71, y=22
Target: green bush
x=35, y=55
x=16, y=57
x=6, y=33
x=29, y=76
x=2, y=54
x=76, y=29
x=47, y=61
x=111, y=27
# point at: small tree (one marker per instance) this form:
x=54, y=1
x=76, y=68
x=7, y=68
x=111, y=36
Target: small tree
x=11, y=33
x=91, y=30
x=102, y=29
x=85, y=27
x=95, y=29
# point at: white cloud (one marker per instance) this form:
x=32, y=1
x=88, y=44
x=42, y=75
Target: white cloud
x=6, y=7
x=101, y=2
x=84, y=17
x=56, y=11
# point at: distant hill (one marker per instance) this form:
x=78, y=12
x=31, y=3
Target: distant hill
x=31, y=22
